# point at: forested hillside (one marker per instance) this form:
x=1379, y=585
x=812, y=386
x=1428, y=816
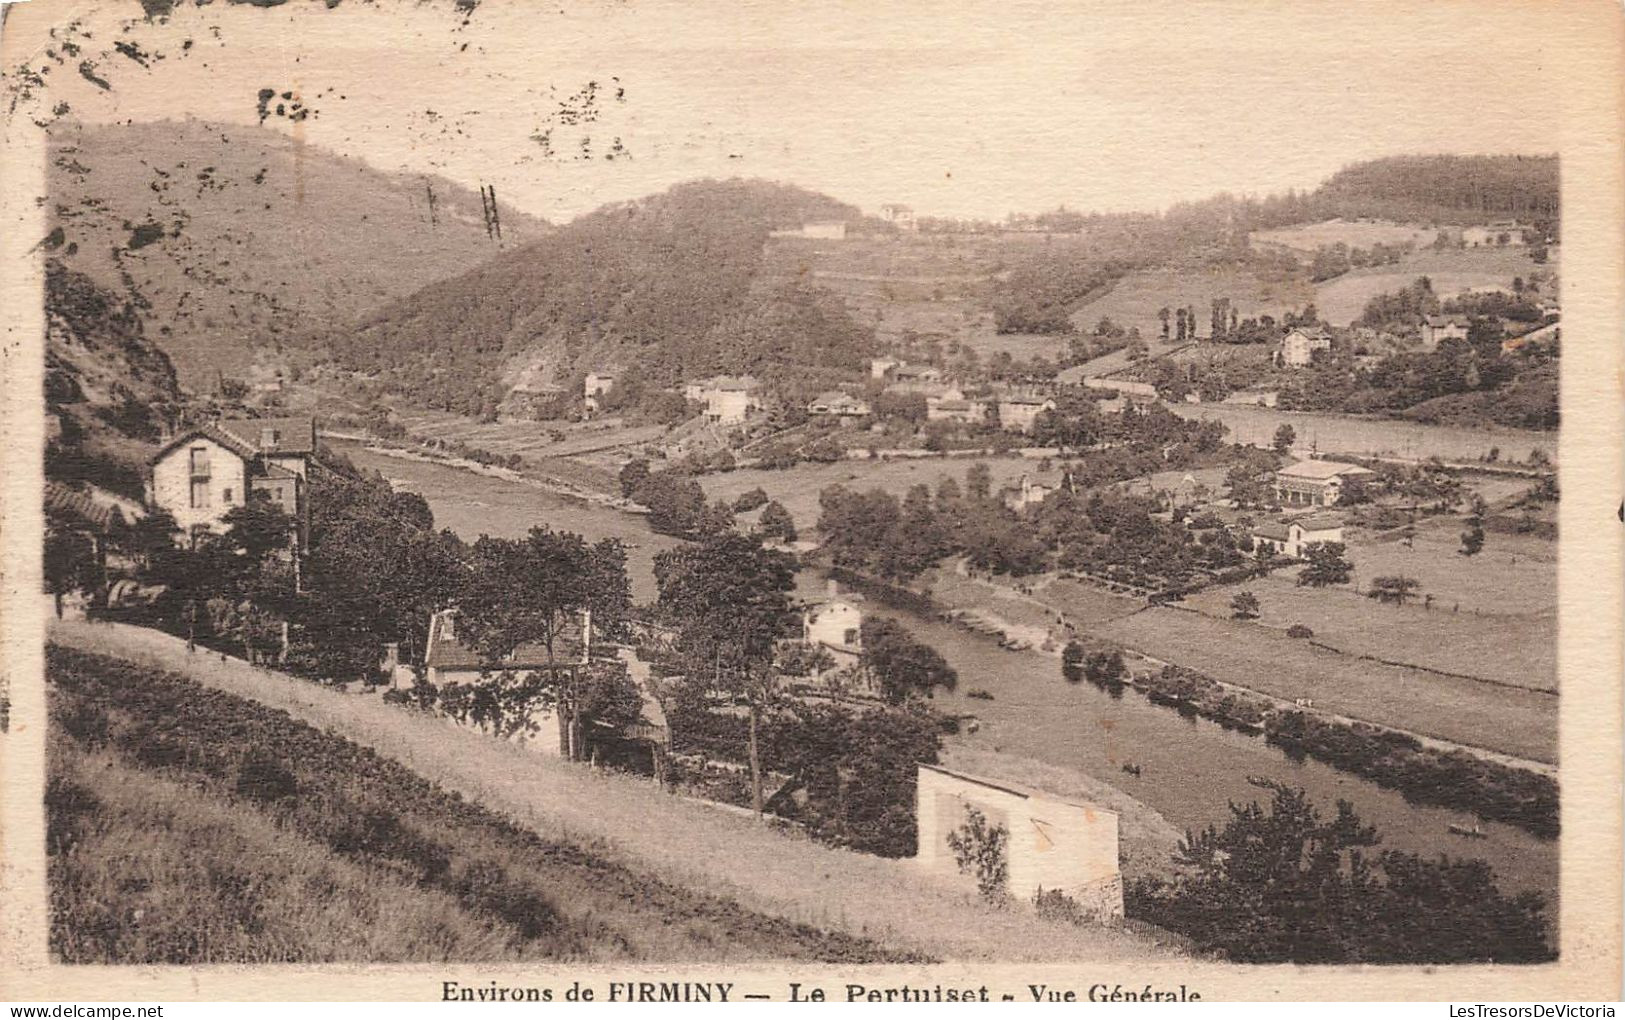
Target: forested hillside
x=1446, y=189
x=673, y=284
x=232, y=241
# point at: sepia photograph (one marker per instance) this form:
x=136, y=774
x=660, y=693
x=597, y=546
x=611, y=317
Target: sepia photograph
x=883, y=490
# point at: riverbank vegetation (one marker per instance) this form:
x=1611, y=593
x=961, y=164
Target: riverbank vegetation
x=1284, y=883
x=1452, y=779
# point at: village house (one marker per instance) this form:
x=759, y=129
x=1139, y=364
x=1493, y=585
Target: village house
x=1293, y=537
x=1298, y=347
x=1018, y=413
x=835, y=404
x=835, y=625
x=204, y=473
x=881, y=368
x=1315, y=482
x=955, y=406
x=594, y=387
x=1443, y=327
x=899, y=216
x=728, y=400
x=447, y=660
x=906, y=378
x=1033, y=488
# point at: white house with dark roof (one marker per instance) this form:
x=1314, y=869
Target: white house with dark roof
x=1019, y=412
x=1443, y=327
x=835, y=404
x=1299, y=345
x=728, y=399
x=1292, y=537
x=204, y=473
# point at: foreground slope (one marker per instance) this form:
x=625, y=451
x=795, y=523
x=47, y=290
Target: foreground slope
x=629, y=823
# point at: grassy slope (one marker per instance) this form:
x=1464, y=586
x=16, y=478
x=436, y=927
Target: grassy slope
x=263, y=238
x=628, y=822
x=166, y=849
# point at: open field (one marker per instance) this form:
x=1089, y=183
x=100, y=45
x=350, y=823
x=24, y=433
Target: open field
x=1341, y=300
x=1310, y=237
x=1135, y=299
x=1514, y=575
x=627, y=823
x=1375, y=437
x=1515, y=649
x=1512, y=721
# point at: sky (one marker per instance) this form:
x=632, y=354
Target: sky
x=957, y=109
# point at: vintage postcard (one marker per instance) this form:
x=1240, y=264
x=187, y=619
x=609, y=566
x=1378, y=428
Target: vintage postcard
x=700, y=501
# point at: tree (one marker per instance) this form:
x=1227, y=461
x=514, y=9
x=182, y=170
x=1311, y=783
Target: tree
x=776, y=522
x=979, y=481
x=1285, y=437
x=1163, y=315
x=632, y=477
x=69, y=563
x=1395, y=589
x=1244, y=606
x=1327, y=565
x=729, y=600
x=1285, y=884
x=533, y=591
x=1472, y=540
x=1073, y=424
x=902, y=666
x=982, y=850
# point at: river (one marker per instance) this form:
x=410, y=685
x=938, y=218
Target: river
x=1191, y=769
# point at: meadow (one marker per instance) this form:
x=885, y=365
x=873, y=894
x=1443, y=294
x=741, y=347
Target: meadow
x=1134, y=301
x=1342, y=299
x=1513, y=721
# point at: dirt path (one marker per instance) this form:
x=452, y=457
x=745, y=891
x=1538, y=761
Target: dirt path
x=632, y=820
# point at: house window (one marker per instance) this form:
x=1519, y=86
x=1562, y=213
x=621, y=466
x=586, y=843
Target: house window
x=850, y=637
x=200, y=493
x=200, y=462
x=226, y=495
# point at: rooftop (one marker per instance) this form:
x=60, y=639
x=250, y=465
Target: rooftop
x=290, y=435
x=1321, y=469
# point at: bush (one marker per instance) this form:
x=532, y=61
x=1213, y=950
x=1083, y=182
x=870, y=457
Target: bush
x=982, y=850
x=263, y=778
x=1298, y=630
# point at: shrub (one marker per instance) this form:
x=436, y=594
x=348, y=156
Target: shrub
x=263, y=778
x=982, y=850
x=1298, y=630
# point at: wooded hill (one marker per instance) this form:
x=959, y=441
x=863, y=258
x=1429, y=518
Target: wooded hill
x=1446, y=189
x=230, y=241
x=673, y=283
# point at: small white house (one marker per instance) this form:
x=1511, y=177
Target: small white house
x=835, y=404
x=204, y=473
x=1298, y=347
x=1033, y=489
x=728, y=400
x=835, y=625
x=594, y=387
x=1443, y=327
x=953, y=405
x=1019, y=413
x=1292, y=537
